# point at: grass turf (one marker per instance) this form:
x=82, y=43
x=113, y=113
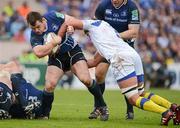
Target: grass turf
x=72, y=107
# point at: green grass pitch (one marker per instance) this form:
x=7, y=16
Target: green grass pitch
x=72, y=107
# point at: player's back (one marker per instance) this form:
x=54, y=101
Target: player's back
x=105, y=38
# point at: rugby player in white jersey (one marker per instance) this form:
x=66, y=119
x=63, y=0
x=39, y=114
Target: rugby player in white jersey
x=125, y=61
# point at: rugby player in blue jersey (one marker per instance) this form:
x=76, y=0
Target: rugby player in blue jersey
x=18, y=98
x=123, y=16
x=69, y=56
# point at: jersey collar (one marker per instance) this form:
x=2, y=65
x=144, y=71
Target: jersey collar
x=123, y=3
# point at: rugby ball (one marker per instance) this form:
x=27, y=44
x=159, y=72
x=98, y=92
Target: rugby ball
x=49, y=38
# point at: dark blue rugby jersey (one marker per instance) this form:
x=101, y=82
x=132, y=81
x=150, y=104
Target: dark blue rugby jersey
x=54, y=22
x=30, y=94
x=118, y=18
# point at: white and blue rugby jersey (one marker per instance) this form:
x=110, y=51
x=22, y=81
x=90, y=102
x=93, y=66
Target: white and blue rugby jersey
x=105, y=38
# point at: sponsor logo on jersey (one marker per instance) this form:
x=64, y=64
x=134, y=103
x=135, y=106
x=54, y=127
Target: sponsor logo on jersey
x=108, y=11
x=134, y=14
x=116, y=15
x=124, y=13
x=59, y=15
x=54, y=27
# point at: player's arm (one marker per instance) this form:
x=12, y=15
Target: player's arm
x=70, y=21
x=46, y=49
x=133, y=23
x=11, y=67
x=95, y=61
x=132, y=32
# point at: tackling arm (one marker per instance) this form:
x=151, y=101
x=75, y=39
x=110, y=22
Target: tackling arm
x=95, y=61
x=70, y=21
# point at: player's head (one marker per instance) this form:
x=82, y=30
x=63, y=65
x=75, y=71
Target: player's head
x=36, y=22
x=6, y=97
x=117, y=3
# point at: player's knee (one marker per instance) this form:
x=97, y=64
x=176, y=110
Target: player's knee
x=50, y=85
x=85, y=80
x=100, y=76
x=132, y=100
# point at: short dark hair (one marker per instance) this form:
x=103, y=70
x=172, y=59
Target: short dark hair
x=32, y=17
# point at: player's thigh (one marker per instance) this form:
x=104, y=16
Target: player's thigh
x=123, y=69
x=101, y=71
x=53, y=74
x=80, y=69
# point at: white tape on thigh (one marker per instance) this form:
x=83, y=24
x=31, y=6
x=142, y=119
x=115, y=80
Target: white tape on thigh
x=4, y=73
x=140, y=89
x=130, y=91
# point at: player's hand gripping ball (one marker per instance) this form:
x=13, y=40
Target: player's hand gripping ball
x=54, y=39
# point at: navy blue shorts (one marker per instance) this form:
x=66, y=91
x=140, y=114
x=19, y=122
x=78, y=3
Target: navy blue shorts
x=66, y=60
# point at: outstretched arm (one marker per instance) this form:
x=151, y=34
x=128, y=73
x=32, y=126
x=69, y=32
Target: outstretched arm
x=70, y=21
x=11, y=67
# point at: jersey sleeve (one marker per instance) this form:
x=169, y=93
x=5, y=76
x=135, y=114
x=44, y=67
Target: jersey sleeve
x=133, y=14
x=86, y=24
x=100, y=10
x=58, y=15
x=55, y=16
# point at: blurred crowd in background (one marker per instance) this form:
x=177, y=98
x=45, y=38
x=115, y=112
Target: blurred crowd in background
x=158, y=42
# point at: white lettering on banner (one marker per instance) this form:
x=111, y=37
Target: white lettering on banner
x=32, y=75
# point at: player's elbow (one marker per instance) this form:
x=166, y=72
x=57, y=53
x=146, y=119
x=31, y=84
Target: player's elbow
x=39, y=55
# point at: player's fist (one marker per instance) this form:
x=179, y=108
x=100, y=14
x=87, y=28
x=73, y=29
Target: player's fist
x=55, y=40
x=70, y=30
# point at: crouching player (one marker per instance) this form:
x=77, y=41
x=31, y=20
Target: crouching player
x=18, y=98
x=126, y=66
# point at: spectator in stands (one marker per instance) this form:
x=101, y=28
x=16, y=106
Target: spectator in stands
x=24, y=9
x=3, y=27
x=9, y=8
x=19, y=36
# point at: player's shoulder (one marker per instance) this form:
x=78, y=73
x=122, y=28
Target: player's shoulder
x=49, y=13
x=131, y=3
x=105, y=3
x=55, y=14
